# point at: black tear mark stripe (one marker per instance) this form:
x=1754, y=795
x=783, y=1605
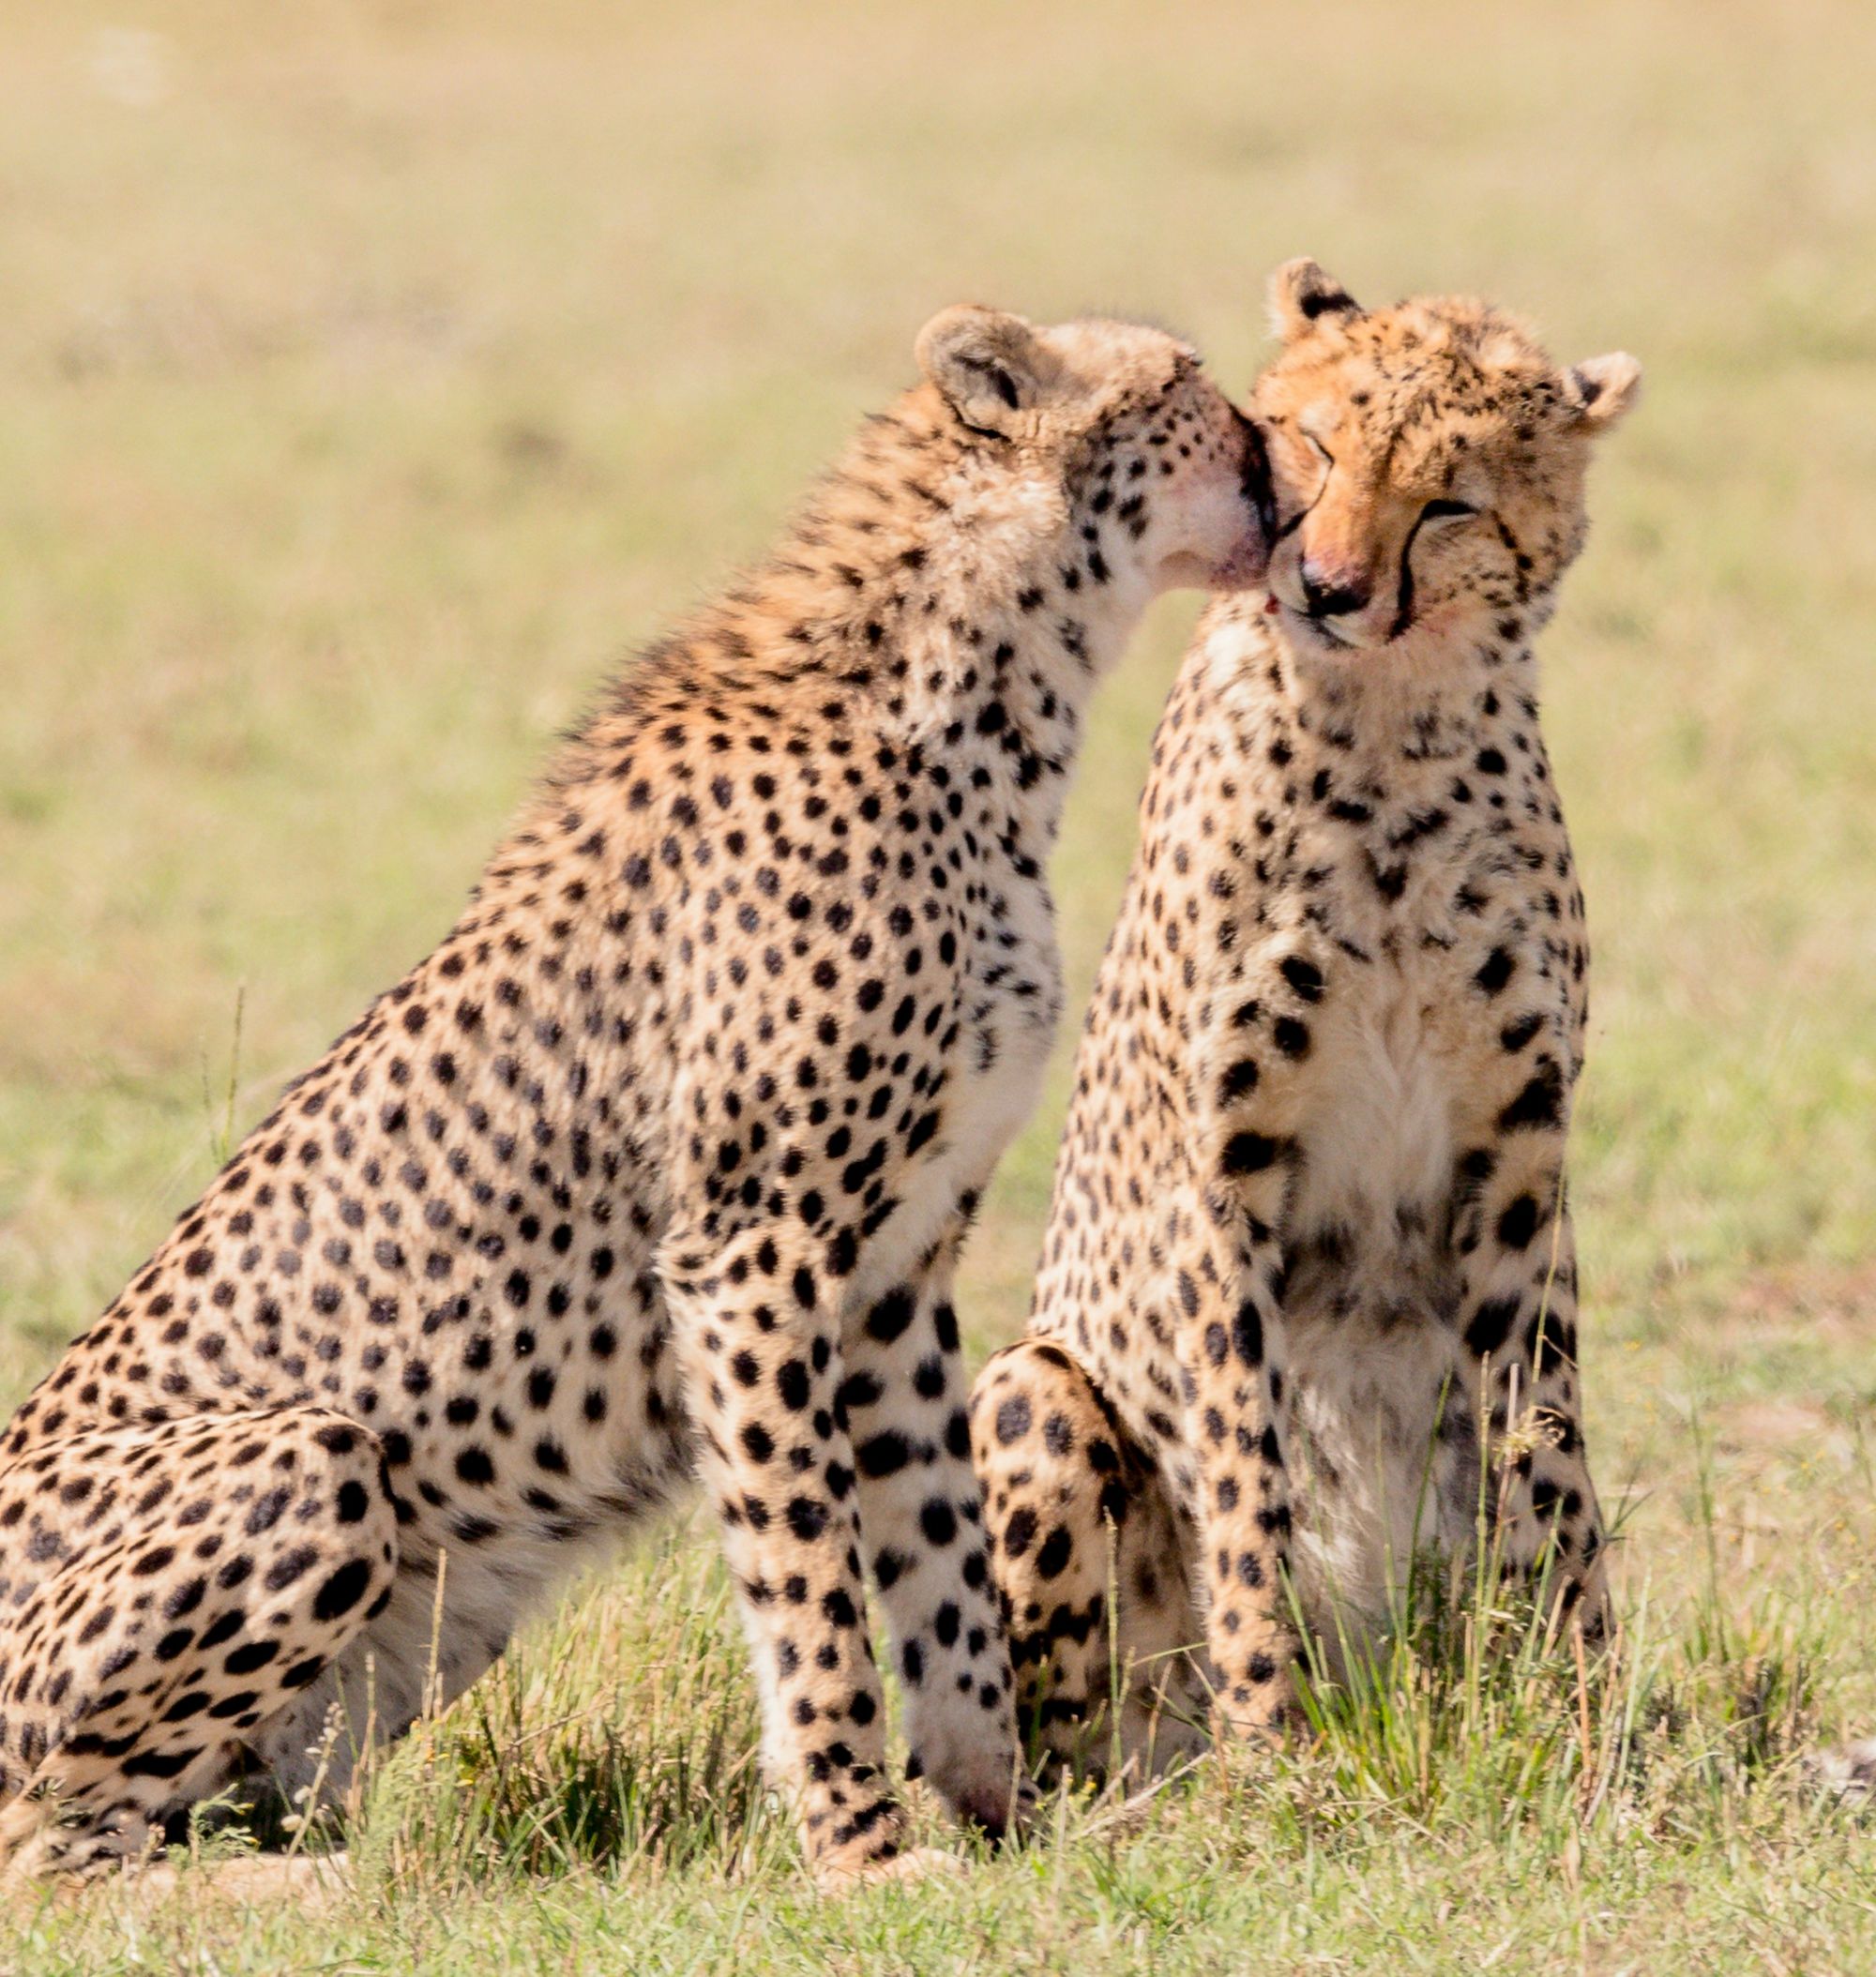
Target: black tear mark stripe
x=1403, y=608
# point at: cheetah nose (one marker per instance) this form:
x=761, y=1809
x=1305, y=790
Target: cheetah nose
x=1331, y=596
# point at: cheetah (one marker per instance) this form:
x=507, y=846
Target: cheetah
x=1307, y=1295
x=656, y=1167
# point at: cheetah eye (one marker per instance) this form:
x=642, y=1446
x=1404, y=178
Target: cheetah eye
x=1446, y=511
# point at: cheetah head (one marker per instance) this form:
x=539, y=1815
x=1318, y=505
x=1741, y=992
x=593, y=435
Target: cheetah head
x=1428, y=464
x=1149, y=475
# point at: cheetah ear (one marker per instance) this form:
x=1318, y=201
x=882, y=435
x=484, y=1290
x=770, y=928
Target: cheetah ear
x=1599, y=391
x=989, y=367
x=1302, y=292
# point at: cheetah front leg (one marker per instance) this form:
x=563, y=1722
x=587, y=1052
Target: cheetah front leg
x=1230, y=1330
x=921, y=1512
x=1087, y=1555
x=758, y=1338
x=1519, y=1316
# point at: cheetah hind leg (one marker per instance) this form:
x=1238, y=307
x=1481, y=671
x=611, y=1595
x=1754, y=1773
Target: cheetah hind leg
x=214, y=1568
x=1080, y=1524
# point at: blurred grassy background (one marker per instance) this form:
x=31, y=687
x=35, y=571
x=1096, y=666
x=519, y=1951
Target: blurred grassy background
x=375, y=377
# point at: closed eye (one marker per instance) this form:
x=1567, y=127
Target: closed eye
x=1328, y=460
x=1446, y=511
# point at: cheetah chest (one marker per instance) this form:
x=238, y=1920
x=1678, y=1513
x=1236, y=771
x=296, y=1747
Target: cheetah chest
x=1370, y=1298
x=1376, y=1135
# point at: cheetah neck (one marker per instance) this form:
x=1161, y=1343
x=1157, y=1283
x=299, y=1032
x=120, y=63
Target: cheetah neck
x=1402, y=719
x=921, y=602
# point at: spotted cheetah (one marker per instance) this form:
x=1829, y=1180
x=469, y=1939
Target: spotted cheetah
x=1307, y=1298
x=658, y=1165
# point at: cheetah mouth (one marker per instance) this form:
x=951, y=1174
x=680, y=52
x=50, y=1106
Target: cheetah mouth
x=1395, y=641
x=1244, y=565
x=1318, y=629
x=1240, y=568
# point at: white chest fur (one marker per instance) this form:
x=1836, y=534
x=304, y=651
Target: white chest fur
x=1372, y=1344
x=1379, y=1137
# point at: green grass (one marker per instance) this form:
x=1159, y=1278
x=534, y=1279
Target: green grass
x=374, y=376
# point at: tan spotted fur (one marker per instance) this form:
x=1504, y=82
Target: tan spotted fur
x=657, y=1167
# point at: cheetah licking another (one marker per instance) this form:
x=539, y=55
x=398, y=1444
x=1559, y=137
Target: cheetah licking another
x=1309, y=1294
x=657, y=1167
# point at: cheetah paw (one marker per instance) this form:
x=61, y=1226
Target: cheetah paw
x=915, y=1863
